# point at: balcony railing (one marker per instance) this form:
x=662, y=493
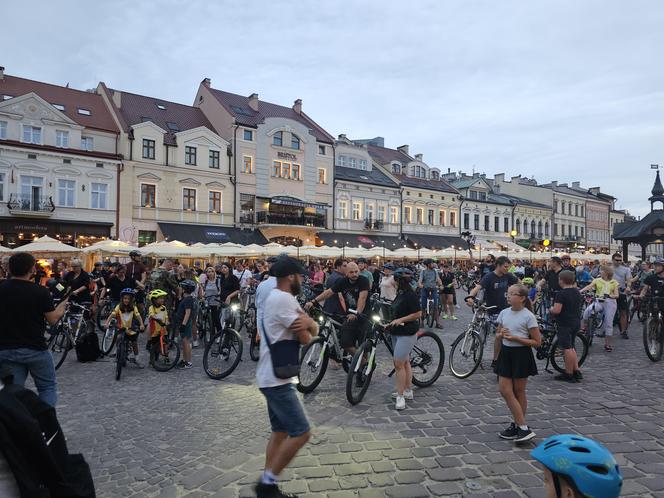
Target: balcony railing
x=371, y=224
x=286, y=219
x=247, y=218
x=28, y=203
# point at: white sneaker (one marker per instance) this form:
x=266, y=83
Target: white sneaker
x=407, y=394
x=401, y=403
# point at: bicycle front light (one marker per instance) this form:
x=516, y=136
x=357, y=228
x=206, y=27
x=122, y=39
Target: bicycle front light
x=375, y=318
x=235, y=307
x=321, y=319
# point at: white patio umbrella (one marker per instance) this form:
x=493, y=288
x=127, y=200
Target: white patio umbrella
x=47, y=245
x=4, y=249
x=112, y=247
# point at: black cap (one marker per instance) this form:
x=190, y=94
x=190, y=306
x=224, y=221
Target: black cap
x=272, y=259
x=361, y=260
x=284, y=267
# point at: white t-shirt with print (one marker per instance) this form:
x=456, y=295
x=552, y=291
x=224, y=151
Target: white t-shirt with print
x=518, y=323
x=281, y=309
x=243, y=276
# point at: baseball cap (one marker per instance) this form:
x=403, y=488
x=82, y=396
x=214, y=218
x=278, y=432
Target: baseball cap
x=287, y=266
x=272, y=259
x=361, y=260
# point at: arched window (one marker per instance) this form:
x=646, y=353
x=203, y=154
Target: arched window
x=295, y=142
x=546, y=229
x=532, y=227
x=277, y=139
x=434, y=175
x=525, y=226
x=518, y=225
x=539, y=229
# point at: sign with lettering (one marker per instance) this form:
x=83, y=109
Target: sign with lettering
x=286, y=155
x=214, y=235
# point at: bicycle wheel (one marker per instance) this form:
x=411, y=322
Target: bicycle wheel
x=103, y=312
x=167, y=354
x=313, y=364
x=108, y=340
x=430, y=315
x=590, y=331
x=250, y=326
x=466, y=354
x=641, y=313
x=557, y=358
x=59, y=345
x=427, y=359
x=120, y=358
x=361, y=370
x=222, y=354
x=652, y=338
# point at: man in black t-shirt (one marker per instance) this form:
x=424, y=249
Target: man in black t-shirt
x=78, y=283
x=118, y=282
x=654, y=283
x=567, y=309
x=551, y=280
x=25, y=307
x=353, y=291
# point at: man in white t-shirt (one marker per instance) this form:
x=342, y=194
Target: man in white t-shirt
x=281, y=318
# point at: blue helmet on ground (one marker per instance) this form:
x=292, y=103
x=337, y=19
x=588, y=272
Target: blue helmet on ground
x=585, y=463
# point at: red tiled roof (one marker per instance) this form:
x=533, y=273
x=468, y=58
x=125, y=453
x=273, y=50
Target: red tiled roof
x=383, y=155
x=135, y=109
x=73, y=152
x=100, y=118
x=238, y=106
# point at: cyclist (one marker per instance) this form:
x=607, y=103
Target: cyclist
x=157, y=321
x=162, y=278
x=429, y=283
x=654, y=283
x=605, y=287
x=78, y=283
x=623, y=276
x=127, y=316
x=136, y=270
x=566, y=308
x=364, y=271
x=578, y=467
x=97, y=274
x=447, y=292
x=117, y=283
x=529, y=282
x=185, y=319
x=407, y=313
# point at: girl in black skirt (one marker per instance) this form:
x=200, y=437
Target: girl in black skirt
x=517, y=328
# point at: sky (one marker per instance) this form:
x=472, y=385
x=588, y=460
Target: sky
x=555, y=90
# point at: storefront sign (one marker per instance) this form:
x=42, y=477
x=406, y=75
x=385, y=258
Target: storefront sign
x=286, y=155
x=212, y=235
x=291, y=201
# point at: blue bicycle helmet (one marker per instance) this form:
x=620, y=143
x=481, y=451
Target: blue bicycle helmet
x=403, y=273
x=584, y=462
x=127, y=292
x=389, y=266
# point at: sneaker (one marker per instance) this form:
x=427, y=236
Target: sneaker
x=407, y=394
x=578, y=375
x=511, y=432
x=270, y=491
x=195, y=344
x=454, y=317
x=401, y=403
x=565, y=377
x=180, y=364
x=624, y=335
x=524, y=435
x=444, y=317
x=187, y=364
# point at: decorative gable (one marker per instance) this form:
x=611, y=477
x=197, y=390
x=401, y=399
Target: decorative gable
x=149, y=176
x=34, y=108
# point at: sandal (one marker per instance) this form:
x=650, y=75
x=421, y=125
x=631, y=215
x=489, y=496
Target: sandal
x=608, y=348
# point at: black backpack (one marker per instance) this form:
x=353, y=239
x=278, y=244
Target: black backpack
x=87, y=347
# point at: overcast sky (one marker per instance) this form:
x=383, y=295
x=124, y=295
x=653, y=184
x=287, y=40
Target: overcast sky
x=566, y=90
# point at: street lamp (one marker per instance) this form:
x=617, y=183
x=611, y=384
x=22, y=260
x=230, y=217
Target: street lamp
x=455, y=250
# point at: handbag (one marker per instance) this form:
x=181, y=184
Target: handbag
x=285, y=355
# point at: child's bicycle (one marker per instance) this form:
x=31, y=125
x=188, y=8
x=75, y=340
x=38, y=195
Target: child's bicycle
x=164, y=352
x=123, y=347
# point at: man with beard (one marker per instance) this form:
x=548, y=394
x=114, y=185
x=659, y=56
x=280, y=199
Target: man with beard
x=282, y=320
x=353, y=290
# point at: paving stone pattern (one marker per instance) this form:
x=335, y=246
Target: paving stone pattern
x=180, y=434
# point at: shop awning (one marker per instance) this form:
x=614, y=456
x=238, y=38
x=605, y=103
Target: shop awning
x=340, y=239
x=189, y=233
x=435, y=241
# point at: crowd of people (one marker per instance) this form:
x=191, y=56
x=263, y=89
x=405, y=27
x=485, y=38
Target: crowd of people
x=167, y=297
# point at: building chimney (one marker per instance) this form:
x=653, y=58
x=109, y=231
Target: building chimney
x=499, y=177
x=403, y=148
x=297, y=106
x=207, y=82
x=2, y=72
x=418, y=157
x=342, y=136
x=554, y=183
x=253, y=101
x=576, y=184
x=594, y=190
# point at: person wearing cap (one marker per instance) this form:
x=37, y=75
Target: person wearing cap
x=364, y=271
x=282, y=319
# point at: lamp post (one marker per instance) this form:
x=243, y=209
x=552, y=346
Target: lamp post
x=455, y=250
x=418, y=251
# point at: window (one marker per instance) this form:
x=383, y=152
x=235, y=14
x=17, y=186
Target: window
x=247, y=208
x=294, y=142
x=248, y=135
x=247, y=164
x=396, y=169
x=569, y=231
x=431, y=217
x=342, y=210
x=434, y=175
x=555, y=206
x=381, y=213
x=496, y=224
x=506, y=225
x=3, y=129
x=518, y=225
x=2, y=187
x=146, y=237
x=148, y=195
x=189, y=199
x=352, y=163
x=486, y=223
x=148, y=148
x=369, y=211
x=357, y=207
x=539, y=229
x=278, y=138
x=285, y=170
x=66, y=190
x=213, y=159
x=472, y=194
x=295, y=172
x=476, y=222
x=62, y=139
x=576, y=210
x=98, y=193
x=453, y=222
x=321, y=150
x=341, y=160
x=190, y=155
x=576, y=231
x=581, y=231
x=482, y=196
x=546, y=230
x=407, y=214
x=322, y=176
x=466, y=221
x=84, y=112
x=582, y=211
x=363, y=164
x=555, y=229
x=214, y=201
x=59, y=107
x=276, y=168
x=562, y=207
x=394, y=214
x=86, y=143
x=420, y=216
x=32, y=134
x=532, y=228
x=173, y=127
x=441, y=218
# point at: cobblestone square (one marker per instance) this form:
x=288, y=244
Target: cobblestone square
x=180, y=434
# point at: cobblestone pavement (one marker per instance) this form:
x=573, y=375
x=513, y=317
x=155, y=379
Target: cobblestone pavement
x=181, y=434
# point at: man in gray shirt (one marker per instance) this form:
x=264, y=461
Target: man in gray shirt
x=429, y=284
x=623, y=276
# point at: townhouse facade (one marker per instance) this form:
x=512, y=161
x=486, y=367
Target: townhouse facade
x=59, y=164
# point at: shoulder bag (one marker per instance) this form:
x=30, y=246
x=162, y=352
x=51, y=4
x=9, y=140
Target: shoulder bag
x=285, y=356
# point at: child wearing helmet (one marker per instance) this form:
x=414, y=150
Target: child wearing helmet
x=184, y=318
x=578, y=467
x=127, y=316
x=157, y=321
x=529, y=282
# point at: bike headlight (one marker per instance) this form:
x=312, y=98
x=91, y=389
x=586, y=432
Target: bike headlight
x=376, y=318
x=235, y=307
x=321, y=319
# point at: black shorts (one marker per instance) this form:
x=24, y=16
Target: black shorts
x=351, y=333
x=448, y=290
x=566, y=336
x=622, y=302
x=515, y=362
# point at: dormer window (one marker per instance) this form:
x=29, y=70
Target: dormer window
x=435, y=175
x=84, y=112
x=59, y=107
x=473, y=194
x=483, y=196
x=161, y=106
x=396, y=168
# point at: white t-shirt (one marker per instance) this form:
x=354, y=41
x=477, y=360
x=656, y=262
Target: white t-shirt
x=622, y=275
x=518, y=323
x=262, y=292
x=243, y=276
x=281, y=309
x=388, y=288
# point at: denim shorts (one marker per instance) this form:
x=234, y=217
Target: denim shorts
x=403, y=345
x=285, y=410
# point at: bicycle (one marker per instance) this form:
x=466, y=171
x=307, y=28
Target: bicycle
x=316, y=355
x=68, y=330
x=123, y=349
x=224, y=351
x=165, y=353
x=248, y=322
x=427, y=351
x=104, y=308
x=653, y=329
x=428, y=315
x=205, y=322
x=469, y=345
x=550, y=350
x=595, y=320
